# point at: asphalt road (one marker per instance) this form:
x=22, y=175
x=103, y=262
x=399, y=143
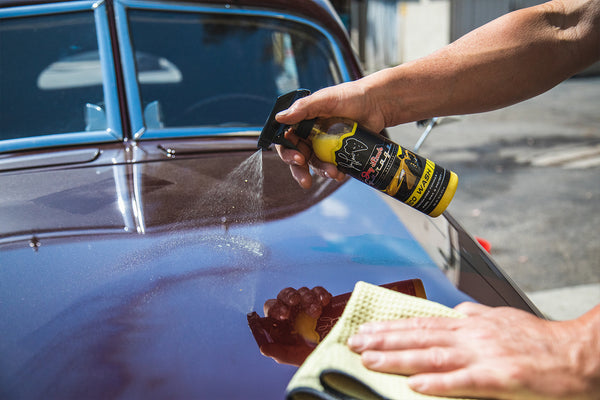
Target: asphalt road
x=529, y=183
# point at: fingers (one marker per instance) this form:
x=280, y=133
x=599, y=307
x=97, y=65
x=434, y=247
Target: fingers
x=463, y=382
x=326, y=170
x=400, y=340
x=319, y=104
x=281, y=307
x=289, y=296
x=312, y=301
x=409, y=346
x=302, y=159
x=300, y=168
x=294, y=114
x=277, y=309
x=297, y=160
x=411, y=324
x=434, y=359
x=290, y=156
x=301, y=174
x=323, y=295
x=290, y=301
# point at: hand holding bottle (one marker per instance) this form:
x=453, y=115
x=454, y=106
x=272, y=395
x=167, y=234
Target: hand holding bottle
x=349, y=100
x=340, y=143
x=301, y=161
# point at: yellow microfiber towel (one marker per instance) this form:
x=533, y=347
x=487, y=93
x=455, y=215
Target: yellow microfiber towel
x=334, y=372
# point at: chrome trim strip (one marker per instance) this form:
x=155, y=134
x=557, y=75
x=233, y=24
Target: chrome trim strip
x=66, y=157
x=132, y=89
x=124, y=194
x=51, y=8
x=134, y=105
x=137, y=201
x=109, y=79
x=52, y=235
x=56, y=140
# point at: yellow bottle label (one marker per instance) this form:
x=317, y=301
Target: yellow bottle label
x=386, y=166
x=326, y=145
x=421, y=187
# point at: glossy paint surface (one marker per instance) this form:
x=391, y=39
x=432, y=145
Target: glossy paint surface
x=164, y=313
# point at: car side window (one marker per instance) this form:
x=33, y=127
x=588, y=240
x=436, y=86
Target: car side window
x=211, y=69
x=51, y=75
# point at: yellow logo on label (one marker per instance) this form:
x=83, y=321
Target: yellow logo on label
x=421, y=187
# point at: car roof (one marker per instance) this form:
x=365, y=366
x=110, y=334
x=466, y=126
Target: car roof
x=317, y=9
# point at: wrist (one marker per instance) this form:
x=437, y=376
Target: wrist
x=588, y=349
x=388, y=93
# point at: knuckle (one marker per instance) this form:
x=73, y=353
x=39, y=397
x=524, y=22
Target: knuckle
x=438, y=358
x=420, y=323
x=303, y=290
x=268, y=306
x=289, y=296
x=323, y=295
x=377, y=342
x=276, y=309
x=422, y=339
x=308, y=297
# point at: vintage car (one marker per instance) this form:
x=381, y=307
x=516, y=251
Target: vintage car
x=140, y=226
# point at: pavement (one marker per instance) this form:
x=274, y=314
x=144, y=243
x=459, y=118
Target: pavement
x=529, y=183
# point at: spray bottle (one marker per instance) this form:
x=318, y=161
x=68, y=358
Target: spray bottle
x=367, y=156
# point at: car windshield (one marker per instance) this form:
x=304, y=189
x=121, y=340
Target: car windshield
x=207, y=69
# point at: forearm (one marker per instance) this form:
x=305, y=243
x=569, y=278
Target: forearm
x=512, y=58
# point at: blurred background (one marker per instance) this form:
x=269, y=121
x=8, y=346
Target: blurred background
x=529, y=174
x=391, y=32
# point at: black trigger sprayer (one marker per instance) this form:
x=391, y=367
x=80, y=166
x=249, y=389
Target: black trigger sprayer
x=367, y=156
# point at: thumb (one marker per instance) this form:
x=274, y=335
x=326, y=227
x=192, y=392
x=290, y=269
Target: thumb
x=296, y=113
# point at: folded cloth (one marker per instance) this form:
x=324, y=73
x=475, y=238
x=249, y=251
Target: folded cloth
x=333, y=371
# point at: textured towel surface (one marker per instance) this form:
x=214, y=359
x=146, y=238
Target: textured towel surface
x=333, y=371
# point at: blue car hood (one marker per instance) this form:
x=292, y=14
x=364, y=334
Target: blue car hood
x=116, y=313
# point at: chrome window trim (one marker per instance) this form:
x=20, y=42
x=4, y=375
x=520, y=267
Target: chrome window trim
x=113, y=132
x=134, y=105
x=138, y=127
x=51, y=8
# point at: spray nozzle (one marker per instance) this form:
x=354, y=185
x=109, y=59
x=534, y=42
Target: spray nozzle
x=273, y=131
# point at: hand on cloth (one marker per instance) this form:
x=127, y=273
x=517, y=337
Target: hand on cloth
x=500, y=353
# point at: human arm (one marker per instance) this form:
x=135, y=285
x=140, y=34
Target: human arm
x=510, y=59
x=500, y=353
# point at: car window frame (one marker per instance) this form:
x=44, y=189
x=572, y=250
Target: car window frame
x=114, y=130
x=139, y=130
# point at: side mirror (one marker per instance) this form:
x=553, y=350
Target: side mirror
x=429, y=124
